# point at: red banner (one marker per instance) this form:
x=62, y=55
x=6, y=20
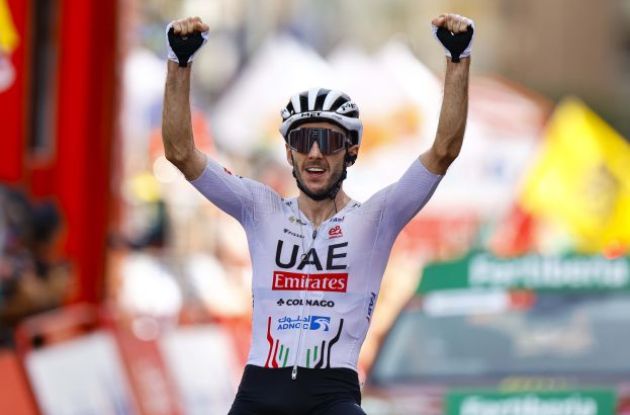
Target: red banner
x=13, y=86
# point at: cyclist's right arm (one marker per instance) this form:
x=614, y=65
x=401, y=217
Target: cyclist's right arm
x=177, y=134
x=179, y=146
x=230, y=193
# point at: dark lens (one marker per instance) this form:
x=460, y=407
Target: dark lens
x=298, y=141
x=336, y=141
x=329, y=141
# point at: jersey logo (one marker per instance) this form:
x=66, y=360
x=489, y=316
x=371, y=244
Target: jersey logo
x=335, y=257
x=290, y=232
x=335, y=232
x=230, y=173
x=311, y=302
x=319, y=323
x=371, y=306
x=291, y=281
x=299, y=221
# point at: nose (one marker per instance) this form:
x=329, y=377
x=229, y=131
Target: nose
x=315, y=152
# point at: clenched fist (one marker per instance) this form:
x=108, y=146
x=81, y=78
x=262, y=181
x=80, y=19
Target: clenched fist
x=188, y=26
x=184, y=39
x=456, y=33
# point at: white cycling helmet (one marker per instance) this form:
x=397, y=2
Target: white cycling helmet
x=320, y=104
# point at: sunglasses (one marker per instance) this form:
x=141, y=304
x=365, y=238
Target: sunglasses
x=328, y=141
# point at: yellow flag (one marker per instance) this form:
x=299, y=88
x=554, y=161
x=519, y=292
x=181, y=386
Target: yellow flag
x=582, y=179
x=8, y=35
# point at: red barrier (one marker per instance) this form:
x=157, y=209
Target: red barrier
x=15, y=392
x=73, y=364
x=88, y=360
x=152, y=384
x=55, y=326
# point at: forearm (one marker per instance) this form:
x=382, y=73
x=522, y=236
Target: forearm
x=453, y=116
x=177, y=134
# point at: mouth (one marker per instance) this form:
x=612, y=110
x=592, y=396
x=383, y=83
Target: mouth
x=314, y=172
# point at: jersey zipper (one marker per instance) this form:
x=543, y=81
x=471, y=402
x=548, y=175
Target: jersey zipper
x=303, y=295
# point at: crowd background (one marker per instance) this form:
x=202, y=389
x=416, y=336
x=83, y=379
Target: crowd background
x=545, y=166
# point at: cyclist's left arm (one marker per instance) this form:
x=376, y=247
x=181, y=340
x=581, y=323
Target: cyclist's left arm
x=452, y=124
x=404, y=199
x=454, y=112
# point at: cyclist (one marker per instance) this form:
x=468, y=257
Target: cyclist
x=317, y=259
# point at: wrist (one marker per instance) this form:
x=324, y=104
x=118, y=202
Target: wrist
x=464, y=63
x=174, y=67
x=178, y=74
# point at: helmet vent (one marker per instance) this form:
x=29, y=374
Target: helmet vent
x=304, y=103
x=319, y=102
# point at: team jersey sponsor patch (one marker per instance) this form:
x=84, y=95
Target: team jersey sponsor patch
x=292, y=281
x=309, y=302
x=320, y=323
x=335, y=232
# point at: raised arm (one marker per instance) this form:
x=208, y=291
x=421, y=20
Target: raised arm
x=454, y=112
x=177, y=135
x=242, y=198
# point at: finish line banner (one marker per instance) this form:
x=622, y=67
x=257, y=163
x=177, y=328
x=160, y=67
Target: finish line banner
x=535, y=272
x=595, y=402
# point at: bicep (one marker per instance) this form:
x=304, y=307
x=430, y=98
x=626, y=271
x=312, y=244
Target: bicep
x=228, y=192
x=405, y=198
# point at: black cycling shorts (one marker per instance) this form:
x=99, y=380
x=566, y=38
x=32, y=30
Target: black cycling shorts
x=314, y=392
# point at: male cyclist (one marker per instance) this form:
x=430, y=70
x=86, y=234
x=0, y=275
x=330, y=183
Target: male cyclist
x=317, y=259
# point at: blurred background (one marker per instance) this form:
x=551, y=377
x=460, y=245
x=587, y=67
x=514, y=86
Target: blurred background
x=124, y=291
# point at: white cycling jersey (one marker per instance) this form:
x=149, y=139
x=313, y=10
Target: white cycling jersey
x=314, y=289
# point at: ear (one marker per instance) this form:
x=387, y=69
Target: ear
x=351, y=155
x=289, y=154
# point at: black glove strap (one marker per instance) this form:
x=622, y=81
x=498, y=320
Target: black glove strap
x=184, y=46
x=455, y=43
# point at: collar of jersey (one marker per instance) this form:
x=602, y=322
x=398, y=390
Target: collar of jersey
x=294, y=204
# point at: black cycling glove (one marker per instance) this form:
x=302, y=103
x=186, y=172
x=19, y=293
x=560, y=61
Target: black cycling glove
x=457, y=45
x=182, y=49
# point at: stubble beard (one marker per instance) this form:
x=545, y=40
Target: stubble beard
x=334, y=177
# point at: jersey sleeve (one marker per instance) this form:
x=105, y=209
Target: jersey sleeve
x=402, y=200
x=235, y=195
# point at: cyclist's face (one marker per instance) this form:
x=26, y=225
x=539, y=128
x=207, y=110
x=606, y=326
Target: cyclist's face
x=315, y=170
